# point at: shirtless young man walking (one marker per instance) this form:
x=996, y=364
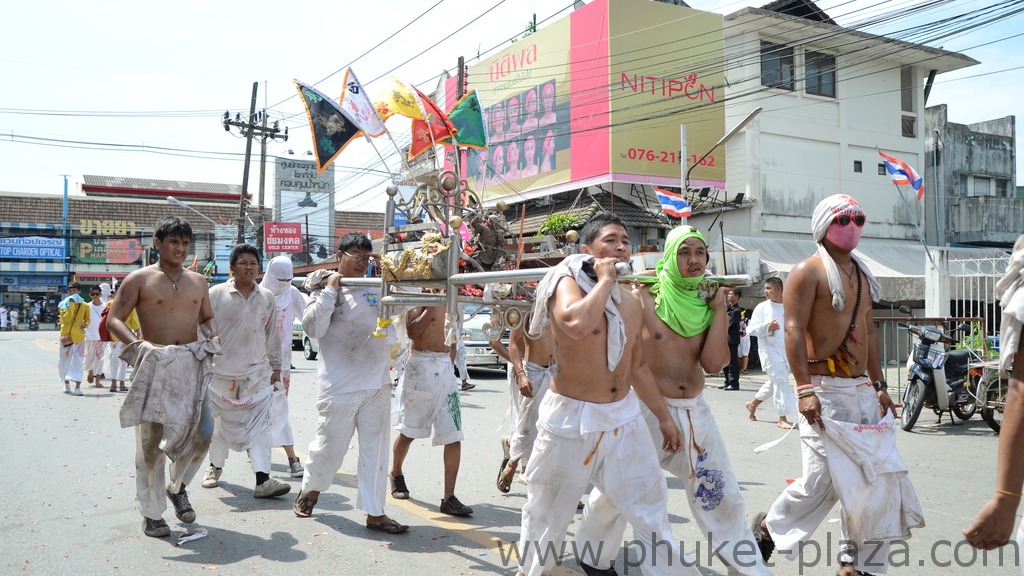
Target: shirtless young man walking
x=173, y=306
x=590, y=427
x=833, y=355
x=428, y=396
x=685, y=337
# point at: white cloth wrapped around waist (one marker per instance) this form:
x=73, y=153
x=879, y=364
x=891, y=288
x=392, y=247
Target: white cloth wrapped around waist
x=244, y=408
x=571, y=418
x=868, y=474
x=168, y=387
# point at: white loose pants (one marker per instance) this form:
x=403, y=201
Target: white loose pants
x=242, y=413
x=712, y=489
x=71, y=362
x=368, y=413
x=579, y=443
x=525, y=411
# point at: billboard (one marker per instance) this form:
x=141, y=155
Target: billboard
x=302, y=196
x=599, y=96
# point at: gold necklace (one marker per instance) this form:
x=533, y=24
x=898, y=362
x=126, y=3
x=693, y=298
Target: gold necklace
x=174, y=282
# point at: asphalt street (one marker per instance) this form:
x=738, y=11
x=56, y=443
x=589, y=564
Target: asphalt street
x=69, y=492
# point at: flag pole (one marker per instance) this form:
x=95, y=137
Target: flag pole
x=913, y=218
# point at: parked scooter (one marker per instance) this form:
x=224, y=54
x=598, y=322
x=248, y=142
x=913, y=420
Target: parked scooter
x=936, y=378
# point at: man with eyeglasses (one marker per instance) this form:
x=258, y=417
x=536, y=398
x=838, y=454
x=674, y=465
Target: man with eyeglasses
x=354, y=385
x=95, y=348
x=846, y=427
x=245, y=373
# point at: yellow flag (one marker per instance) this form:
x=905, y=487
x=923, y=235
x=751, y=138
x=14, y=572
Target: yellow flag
x=399, y=98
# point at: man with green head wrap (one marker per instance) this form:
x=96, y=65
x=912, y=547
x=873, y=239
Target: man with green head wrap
x=685, y=337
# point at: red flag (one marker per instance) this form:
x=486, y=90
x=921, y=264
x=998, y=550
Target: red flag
x=434, y=128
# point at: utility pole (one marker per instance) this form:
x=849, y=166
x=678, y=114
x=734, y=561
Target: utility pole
x=254, y=125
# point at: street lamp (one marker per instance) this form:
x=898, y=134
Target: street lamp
x=736, y=129
x=180, y=204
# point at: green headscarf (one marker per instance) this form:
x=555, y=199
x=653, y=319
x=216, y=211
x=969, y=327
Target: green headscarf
x=675, y=298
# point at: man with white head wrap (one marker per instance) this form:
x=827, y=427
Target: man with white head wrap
x=839, y=380
x=290, y=305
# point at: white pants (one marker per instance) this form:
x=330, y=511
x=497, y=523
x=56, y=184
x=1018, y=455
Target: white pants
x=150, y=478
x=805, y=503
x=115, y=368
x=428, y=399
x=242, y=415
x=281, y=433
x=608, y=445
x=777, y=388
x=711, y=487
x=70, y=362
x=366, y=412
x=524, y=411
x=95, y=354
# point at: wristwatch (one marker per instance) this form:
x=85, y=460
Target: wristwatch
x=880, y=385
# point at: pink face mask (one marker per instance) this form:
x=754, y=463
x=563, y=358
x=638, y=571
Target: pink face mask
x=844, y=237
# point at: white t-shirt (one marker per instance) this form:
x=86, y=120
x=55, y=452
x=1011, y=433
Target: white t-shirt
x=92, y=331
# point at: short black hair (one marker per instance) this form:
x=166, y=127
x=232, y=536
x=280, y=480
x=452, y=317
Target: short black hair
x=96, y=290
x=738, y=292
x=243, y=248
x=774, y=281
x=75, y=285
x=173, y=226
x=354, y=240
x=596, y=223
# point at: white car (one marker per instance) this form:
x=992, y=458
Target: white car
x=478, y=352
x=302, y=342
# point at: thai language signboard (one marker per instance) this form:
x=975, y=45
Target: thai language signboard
x=108, y=251
x=32, y=248
x=282, y=237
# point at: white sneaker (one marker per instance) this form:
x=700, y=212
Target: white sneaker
x=212, y=477
x=67, y=387
x=295, y=469
x=271, y=488
x=78, y=392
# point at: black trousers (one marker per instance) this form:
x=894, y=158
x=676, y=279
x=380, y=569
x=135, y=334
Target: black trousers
x=732, y=371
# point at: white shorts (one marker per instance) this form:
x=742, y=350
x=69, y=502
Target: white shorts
x=428, y=398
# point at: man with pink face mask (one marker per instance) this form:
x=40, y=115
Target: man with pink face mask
x=846, y=429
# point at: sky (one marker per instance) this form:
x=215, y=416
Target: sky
x=137, y=89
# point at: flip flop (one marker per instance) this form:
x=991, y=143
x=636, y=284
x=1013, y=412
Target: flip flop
x=303, y=506
x=504, y=481
x=388, y=526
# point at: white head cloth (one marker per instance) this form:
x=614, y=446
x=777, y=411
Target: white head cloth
x=824, y=213
x=279, y=267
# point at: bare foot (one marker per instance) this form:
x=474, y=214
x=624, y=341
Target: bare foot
x=752, y=409
x=784, y=424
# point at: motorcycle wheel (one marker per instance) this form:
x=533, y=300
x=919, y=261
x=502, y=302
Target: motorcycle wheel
x=913, y=401
x=966, y=410
x=995, y=395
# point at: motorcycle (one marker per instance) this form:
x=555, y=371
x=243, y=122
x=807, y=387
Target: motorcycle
x=33, y=323
x=936, y=378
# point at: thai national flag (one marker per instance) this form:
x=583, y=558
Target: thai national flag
x=672, y=203
x=902, y=174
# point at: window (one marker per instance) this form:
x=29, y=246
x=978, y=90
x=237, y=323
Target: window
x=820, y=74
x=982, y=187
x=776, y=66
x=1001, y=186
x=857, y=166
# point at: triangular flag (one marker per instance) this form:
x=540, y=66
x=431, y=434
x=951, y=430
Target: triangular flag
x=434, y=127
x=399, y=98
x=332, y=131
x=358, y=108
x=468, y=119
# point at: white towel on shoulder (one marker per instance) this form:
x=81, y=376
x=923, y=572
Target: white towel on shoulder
x=572, y=266
x=1010, y=291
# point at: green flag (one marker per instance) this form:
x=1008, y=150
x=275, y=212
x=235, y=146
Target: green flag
x=469, y=120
